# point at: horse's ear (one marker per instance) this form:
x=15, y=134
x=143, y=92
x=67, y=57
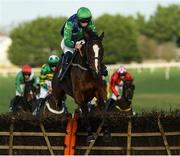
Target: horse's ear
x=101, y=36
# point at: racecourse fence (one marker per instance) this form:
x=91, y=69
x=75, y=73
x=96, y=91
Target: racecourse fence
x=126, y=146
x=12, y=70
x=151, y=66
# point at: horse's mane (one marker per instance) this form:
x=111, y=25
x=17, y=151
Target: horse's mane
x=91, y=35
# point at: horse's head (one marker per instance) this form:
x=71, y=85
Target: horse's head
x=94, y=51
x=128, y=90
x=123, y=104
x=30, y=92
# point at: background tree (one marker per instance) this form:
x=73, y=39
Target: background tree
x=34, y=41
x=127, y=38
x=164, y=25
x=121, y=34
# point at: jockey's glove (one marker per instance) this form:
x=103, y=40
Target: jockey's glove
x=118, y=97
x=36, y=86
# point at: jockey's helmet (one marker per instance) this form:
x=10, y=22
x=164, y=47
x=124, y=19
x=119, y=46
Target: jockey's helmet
x=84, y=14
x=26, y=69
x=53, y=60
x=121, y=70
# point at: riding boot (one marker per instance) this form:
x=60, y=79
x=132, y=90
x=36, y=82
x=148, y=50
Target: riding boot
x=104, y=71
x=89, y=106
x=38, y=107
x=14, y=104
x=109, y=104
x=65, y=61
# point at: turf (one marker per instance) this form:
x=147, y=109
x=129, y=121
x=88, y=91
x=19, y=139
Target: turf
x=153, y=91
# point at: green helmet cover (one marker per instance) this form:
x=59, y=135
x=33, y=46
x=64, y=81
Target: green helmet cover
x=83, y=13
x=53, y=60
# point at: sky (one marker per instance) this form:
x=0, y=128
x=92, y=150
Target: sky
x=16, y=11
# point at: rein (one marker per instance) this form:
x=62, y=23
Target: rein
x=79, y=66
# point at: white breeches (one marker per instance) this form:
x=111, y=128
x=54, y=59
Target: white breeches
x=65, y=48
x=44, y=92
x=119, y=89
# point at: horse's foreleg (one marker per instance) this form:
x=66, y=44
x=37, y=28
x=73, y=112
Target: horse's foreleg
x=101, y=95
x=86, y=118
x=102, y=98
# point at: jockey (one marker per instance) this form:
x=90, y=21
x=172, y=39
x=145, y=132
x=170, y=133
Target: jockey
x=117, y=80
x=72, y=32
x=23, y=76
x=46, y=76
x=116, y=83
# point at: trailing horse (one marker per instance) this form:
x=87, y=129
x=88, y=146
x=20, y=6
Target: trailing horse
x=83, y=80
x=124, y=103
x=51, y=106
x=27, y=102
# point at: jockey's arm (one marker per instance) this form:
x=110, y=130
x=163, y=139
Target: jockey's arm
x=43, y=77
x=36, y=81
x=42, y=81
x=68, y=35
x=92, y=27
x=112, y=86
x=108, y=90
x=18, y=83
x=128, y=77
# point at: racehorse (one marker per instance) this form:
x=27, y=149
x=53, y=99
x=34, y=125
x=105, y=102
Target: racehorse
x=83, y=80
x=124, y=103
x=51, y=106
x=27, y=102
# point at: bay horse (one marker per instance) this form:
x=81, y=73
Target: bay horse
x=83, y=81
x=27, y=102
x=124, y=103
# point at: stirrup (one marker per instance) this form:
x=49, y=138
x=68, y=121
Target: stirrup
x=60, y=75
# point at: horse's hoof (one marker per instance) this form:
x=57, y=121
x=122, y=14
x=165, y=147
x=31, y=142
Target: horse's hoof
x=90, y=138
x=107, y=136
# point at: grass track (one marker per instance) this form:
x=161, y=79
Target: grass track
x=152, y=92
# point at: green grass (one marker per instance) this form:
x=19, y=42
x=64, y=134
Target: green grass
x=152, y=92
x=7, y=91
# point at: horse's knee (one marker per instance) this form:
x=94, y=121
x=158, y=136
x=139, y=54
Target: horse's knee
x=78, y=98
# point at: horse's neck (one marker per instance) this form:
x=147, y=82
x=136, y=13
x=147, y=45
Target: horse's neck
x=80, y=59
x=124, y=90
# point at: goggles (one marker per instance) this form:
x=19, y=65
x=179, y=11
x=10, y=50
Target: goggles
x=85, y=20
x=53, y=65
x=26, y=74
x=122, y=74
